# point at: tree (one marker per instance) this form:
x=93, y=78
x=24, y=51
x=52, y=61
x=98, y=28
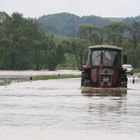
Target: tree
x=3, y=17
x=115, y=33
x=134, y=36
x=80, y=50
x=19, y=33
x=93, y=34
x=60, y=54
x=13, y=34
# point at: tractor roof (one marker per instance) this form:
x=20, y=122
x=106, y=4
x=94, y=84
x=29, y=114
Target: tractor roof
x=105, y=47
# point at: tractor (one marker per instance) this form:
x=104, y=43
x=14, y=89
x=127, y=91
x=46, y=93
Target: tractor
x=103, y=70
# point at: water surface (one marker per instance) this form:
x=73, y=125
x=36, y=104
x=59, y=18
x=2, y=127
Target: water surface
x=56, y=109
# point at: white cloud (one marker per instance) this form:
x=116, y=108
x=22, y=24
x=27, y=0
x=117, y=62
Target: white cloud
x=104, y=8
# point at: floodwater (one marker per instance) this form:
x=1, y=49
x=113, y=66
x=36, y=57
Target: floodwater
x=56, y=110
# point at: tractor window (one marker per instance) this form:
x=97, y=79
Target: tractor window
x=96, y=58
x=109, y=58
x=105, y=57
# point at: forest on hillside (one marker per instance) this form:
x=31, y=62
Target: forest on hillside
x=25, y=43
x=67, y=24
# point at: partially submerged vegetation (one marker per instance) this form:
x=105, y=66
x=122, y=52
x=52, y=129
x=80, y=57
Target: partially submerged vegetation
x=62, y=76
x=5, y=82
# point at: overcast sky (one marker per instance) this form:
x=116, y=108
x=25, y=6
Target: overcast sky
x=103, y=8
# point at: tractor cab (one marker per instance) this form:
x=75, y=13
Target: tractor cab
x=104, y=68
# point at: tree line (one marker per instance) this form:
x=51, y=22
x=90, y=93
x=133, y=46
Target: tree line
x=23, y=45
x=123, y=35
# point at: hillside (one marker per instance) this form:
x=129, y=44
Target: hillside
x=130, y=20
x=114, y=19
x=67, y=24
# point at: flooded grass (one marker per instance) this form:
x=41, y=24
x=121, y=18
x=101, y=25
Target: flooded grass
x=5, y=82
x=62, y=76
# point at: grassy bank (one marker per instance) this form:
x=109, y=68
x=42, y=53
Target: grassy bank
x=137, y=70
x=62, y=76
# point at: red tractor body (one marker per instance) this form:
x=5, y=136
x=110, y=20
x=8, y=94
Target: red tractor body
x=104, y=68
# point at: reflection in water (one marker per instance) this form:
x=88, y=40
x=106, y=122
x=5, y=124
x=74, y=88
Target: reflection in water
x=59, y=105
x=108, y=112
x=107, y=104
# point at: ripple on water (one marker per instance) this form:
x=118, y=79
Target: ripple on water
x=58, y=105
